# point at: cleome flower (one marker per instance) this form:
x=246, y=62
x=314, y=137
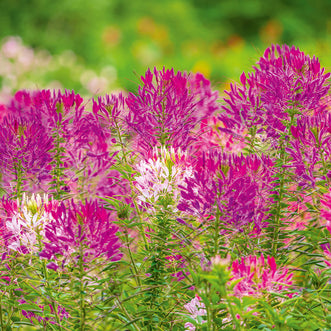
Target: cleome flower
x=160, y=175
x=25, y=221
x=66, y=147
x=197, y=310
x=255, y=276
x=238, y=186
x=25, y=152
x=168, y=107
x=286, y=83
x=34, y=316
x=308, y=149
x=213, y=135
x=80, y=228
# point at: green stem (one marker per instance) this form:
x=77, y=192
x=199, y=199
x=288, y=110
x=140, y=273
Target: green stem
x=57, y=172
x=324, y=308
x=224, y=294
x=82, y=296
x=1, y=318
x=217, y=231
x=48, y=288
x=136, y=275
x=141, y=229
x=127, y=314
x=275, y=235
x=209, y=313
x=253, y=130
x=325, y=170
x=18, y=169
x=234, y=318
x=277, y=220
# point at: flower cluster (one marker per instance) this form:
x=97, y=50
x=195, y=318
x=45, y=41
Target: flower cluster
x=255, y=276
x=185, y=187
x=24, y=222
x=160, y=176
x=272, y=95
x=178, y=263
x=213, y=135
x=25, y=153
x=196, y=308
x=168, y=107
x=80, y=231
x=237, y=186
x=47, y=135
x=309, y=148
x=31, y=315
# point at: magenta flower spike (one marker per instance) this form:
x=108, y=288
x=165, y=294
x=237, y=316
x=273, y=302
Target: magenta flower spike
x=238, y=186
x=82, y=145
x=25, y=153
x=80, y=226
x=33, y=315
x=168, y=107
x=285, y=80
x=309, y=148
x=112, y=108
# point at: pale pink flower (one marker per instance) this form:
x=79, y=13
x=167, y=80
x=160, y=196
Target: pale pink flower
x=196, y=307
x=25, y=223
x=189, y=327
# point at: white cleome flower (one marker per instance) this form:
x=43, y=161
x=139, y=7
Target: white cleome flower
x=28, y=222
x=161, y=175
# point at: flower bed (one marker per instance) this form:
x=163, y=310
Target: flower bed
x=170, y=208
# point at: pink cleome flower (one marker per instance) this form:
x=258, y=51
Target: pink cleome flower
x=196, y=308
x=239, y=186
x=168, y=107
x=78, y=228
x=213, y=134
x=33, y=315
x=45, y=130
x=285, y=79
x=257, y=277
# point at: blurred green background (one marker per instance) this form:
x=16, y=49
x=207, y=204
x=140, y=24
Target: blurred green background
x=96, y=46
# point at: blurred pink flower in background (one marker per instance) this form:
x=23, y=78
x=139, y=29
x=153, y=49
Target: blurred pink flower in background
x=196, y=308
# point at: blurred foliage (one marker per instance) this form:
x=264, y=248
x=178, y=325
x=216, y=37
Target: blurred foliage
x=22, y=67
x=219, y=38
